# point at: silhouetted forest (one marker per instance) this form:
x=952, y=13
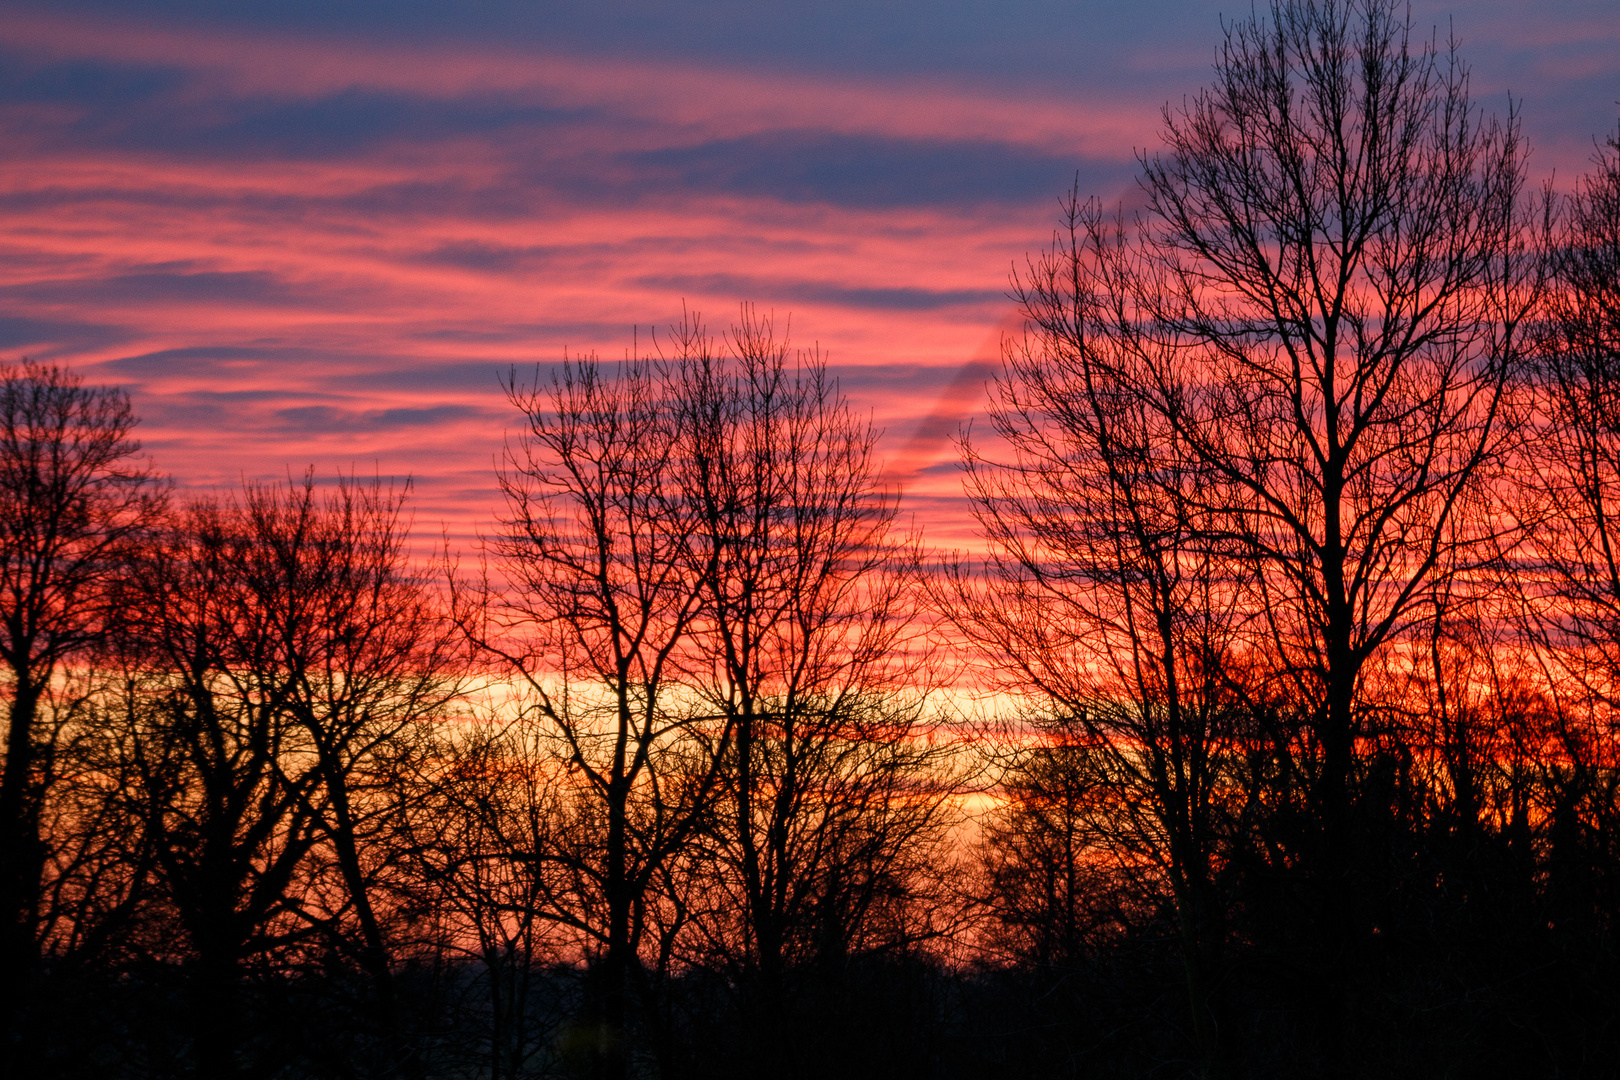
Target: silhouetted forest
x=1272, y=732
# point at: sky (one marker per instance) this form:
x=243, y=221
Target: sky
x=319, y=232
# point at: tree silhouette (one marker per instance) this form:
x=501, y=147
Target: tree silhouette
x=1295, y=366
x=1294, y=648
x=280, y=655
x=73, y=501
x=1103, y=593
x=600, y=592
x=801, y=644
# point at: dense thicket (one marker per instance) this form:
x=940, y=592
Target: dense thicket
x=1297, y=622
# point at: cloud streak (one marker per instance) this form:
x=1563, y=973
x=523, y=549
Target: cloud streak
x=296, y=243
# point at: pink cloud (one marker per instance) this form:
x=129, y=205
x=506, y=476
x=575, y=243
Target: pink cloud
x=692, y=98
x=351, y=302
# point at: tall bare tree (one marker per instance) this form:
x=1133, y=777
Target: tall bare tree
x=1312, y=326
x=1101, y=595
x=1337, y=245
x=803, y=644
x=598, y=598
x=1337, y=250
x=73, y=498
x=1570, y=568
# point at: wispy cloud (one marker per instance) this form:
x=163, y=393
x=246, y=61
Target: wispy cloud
x=298, y=242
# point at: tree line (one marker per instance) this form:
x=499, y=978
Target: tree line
x=1294, y=638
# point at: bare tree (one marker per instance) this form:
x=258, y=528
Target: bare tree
x=1337, y=258
x=280, y=658
x=1337, y=246
x=1570, y=566
x=1055, y=875
x=231, y=819
x=1574, y=464
x=804, y=645
x=599, y=596
x=72, y=499
x=369, y=663
x=1288, y=379
x=1101, y=596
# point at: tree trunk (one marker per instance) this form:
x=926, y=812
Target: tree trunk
x=215, y=1023
x=373, y=954
x=1336, y=882
x=610, y=1058
x=21, y=863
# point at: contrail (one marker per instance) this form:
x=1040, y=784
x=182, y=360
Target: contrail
x=961, y=397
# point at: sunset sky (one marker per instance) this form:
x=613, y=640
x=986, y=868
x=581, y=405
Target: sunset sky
x=318, y=232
